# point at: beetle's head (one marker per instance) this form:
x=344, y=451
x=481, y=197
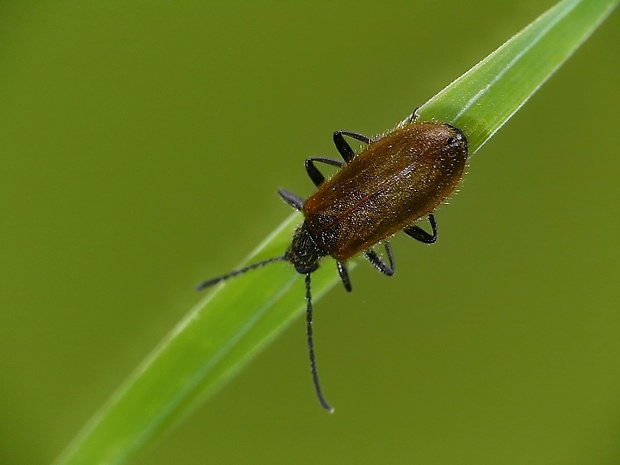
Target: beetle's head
x=304, y=253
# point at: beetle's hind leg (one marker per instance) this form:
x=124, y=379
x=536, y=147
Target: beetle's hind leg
x=414, y=116
x=420, y=235
x=376, y=261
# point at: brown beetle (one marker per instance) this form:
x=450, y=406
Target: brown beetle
x=396, y=180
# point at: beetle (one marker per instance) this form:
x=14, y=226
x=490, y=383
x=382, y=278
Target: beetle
x=396, y=180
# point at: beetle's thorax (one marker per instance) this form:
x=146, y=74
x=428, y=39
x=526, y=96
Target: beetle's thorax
x=304, y=253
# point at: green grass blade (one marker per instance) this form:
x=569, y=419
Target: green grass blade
x=239, y=317
x=484, y=98
x=219, y=335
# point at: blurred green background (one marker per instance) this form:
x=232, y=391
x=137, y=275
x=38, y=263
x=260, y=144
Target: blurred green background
x=142, y=144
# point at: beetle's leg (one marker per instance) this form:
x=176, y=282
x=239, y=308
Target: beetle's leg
x=379, y=263
x=344, y=275
x=420, y=235
x=343, y=146
x=314, y=173
x=344, y=149
x=293, y=200
x=414, y=116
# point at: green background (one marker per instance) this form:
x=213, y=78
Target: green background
x=141, y=145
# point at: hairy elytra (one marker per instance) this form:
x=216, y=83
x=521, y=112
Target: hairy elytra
x=396, y=180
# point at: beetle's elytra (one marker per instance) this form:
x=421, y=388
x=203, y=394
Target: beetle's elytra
x=395, y=181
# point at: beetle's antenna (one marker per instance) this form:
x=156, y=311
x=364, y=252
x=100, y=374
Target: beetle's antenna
x=313, y=370
x=232, y=274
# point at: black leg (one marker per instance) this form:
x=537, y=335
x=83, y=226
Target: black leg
x=314, y=173
x=379, y=263
x=293, y=200
x=420, y=235
x=343, y=146
x=414, y=115
x=344, y=275
x=344, y=149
